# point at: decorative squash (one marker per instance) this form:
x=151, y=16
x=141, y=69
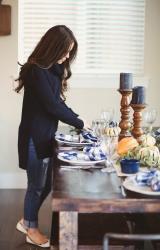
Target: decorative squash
x=147, y=140
x=112, y=131
x=149, y=156
x=126, y=144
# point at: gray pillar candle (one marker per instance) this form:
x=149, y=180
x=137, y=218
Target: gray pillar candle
x=139, y=95
x=126, y=80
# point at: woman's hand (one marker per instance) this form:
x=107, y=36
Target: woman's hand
x=86, y=125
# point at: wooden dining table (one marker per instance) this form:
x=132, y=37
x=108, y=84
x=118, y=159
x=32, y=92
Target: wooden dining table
x=89, y=191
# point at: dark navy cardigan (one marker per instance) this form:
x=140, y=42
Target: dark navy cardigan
x=42, y=109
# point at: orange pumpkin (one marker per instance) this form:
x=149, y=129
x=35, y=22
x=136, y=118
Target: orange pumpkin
x=126, y=144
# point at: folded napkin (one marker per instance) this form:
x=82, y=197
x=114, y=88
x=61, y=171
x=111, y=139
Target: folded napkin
x=95, y=153
x=69, y=138
x=113, y=124
x=89, y=136
x=85, y=136
x=149, y=178
x=73, y=155
x=89, y=154
x=157, y=132
x=155, y=183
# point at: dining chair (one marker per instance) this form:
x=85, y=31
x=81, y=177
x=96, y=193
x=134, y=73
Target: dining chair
x=146, y=238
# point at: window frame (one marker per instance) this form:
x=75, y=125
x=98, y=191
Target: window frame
x=83, y=80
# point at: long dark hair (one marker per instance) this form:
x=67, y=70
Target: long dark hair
x=53, y=46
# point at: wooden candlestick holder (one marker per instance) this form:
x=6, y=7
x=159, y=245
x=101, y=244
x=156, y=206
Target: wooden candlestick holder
x=137, y=130
x=125, y=110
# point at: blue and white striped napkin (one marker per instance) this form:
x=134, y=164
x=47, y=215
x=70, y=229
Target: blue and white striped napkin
x=149, y=178
x=95, y=153
x=85, y=136
x=88, y=154
x=74, y=156
x=157, y=132
x=67, y=138
x=70, y=155
x=89, y=136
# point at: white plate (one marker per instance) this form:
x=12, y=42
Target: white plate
x=130, y=185
x=80, y=162
x=70, y=143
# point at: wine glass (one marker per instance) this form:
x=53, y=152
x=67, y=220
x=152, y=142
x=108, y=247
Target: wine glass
x=107, y=115
x=110, y=145
x=150, y=117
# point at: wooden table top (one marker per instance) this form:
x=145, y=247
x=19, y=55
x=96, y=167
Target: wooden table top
x=89, y=191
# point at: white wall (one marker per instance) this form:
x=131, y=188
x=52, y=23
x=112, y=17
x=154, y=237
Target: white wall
x=87, y=102
x=9, y=102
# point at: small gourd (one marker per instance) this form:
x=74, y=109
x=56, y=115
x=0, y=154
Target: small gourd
x=112, y=131
x=147, y=140
x=149, y=156
x=126, y=144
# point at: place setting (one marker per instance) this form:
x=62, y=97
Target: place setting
x=145, y=183
x=94, y=148
x=87, y=150
x=90, y=154
x=83, y=138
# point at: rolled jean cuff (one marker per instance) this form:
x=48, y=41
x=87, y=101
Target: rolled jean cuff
x=31, y=224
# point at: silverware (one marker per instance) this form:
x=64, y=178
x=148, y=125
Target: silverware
x=82, y=167
x=70, y=148
x=72, y=168
x=123, y=190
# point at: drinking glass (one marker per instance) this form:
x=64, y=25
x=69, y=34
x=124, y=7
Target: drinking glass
x=149, y=118
x=110, y=145
x=107, y=115
x=98, y=127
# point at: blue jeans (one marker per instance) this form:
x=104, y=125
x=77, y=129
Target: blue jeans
x=39, y=173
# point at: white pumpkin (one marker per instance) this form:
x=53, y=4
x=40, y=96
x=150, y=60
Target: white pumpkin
x=149, y=156
x=112, y=131
x=147, y=140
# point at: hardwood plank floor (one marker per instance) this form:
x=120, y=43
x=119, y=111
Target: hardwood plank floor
x=11, y=210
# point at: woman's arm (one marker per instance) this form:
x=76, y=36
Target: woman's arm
x=69, y=108
x=55, y=107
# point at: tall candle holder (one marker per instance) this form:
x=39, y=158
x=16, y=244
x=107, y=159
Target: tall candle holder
x=137, y=130
x=125, y=110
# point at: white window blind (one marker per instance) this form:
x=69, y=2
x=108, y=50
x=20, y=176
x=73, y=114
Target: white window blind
x=110, y=33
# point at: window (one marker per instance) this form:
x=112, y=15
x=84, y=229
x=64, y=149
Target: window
x=110, y=33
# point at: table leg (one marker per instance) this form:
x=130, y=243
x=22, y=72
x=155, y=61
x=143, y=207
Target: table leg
x=54, y=228
x=68, y=234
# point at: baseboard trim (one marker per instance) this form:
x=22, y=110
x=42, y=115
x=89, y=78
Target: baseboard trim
x=13, y=180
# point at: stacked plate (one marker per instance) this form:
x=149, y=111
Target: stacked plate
x=91, y=154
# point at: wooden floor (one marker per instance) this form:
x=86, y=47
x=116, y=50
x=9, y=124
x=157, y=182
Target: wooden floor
x=11, y=210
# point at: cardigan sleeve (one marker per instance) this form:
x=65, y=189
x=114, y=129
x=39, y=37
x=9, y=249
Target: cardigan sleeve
x=52, y=105
x=63, y=102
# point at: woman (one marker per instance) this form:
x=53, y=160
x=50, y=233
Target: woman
x=44, y=79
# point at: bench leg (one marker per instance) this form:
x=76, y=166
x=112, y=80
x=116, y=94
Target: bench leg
x=68, y=233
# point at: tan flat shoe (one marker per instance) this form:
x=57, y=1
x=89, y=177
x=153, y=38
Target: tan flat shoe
x=43, y=245
x=21, y=228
